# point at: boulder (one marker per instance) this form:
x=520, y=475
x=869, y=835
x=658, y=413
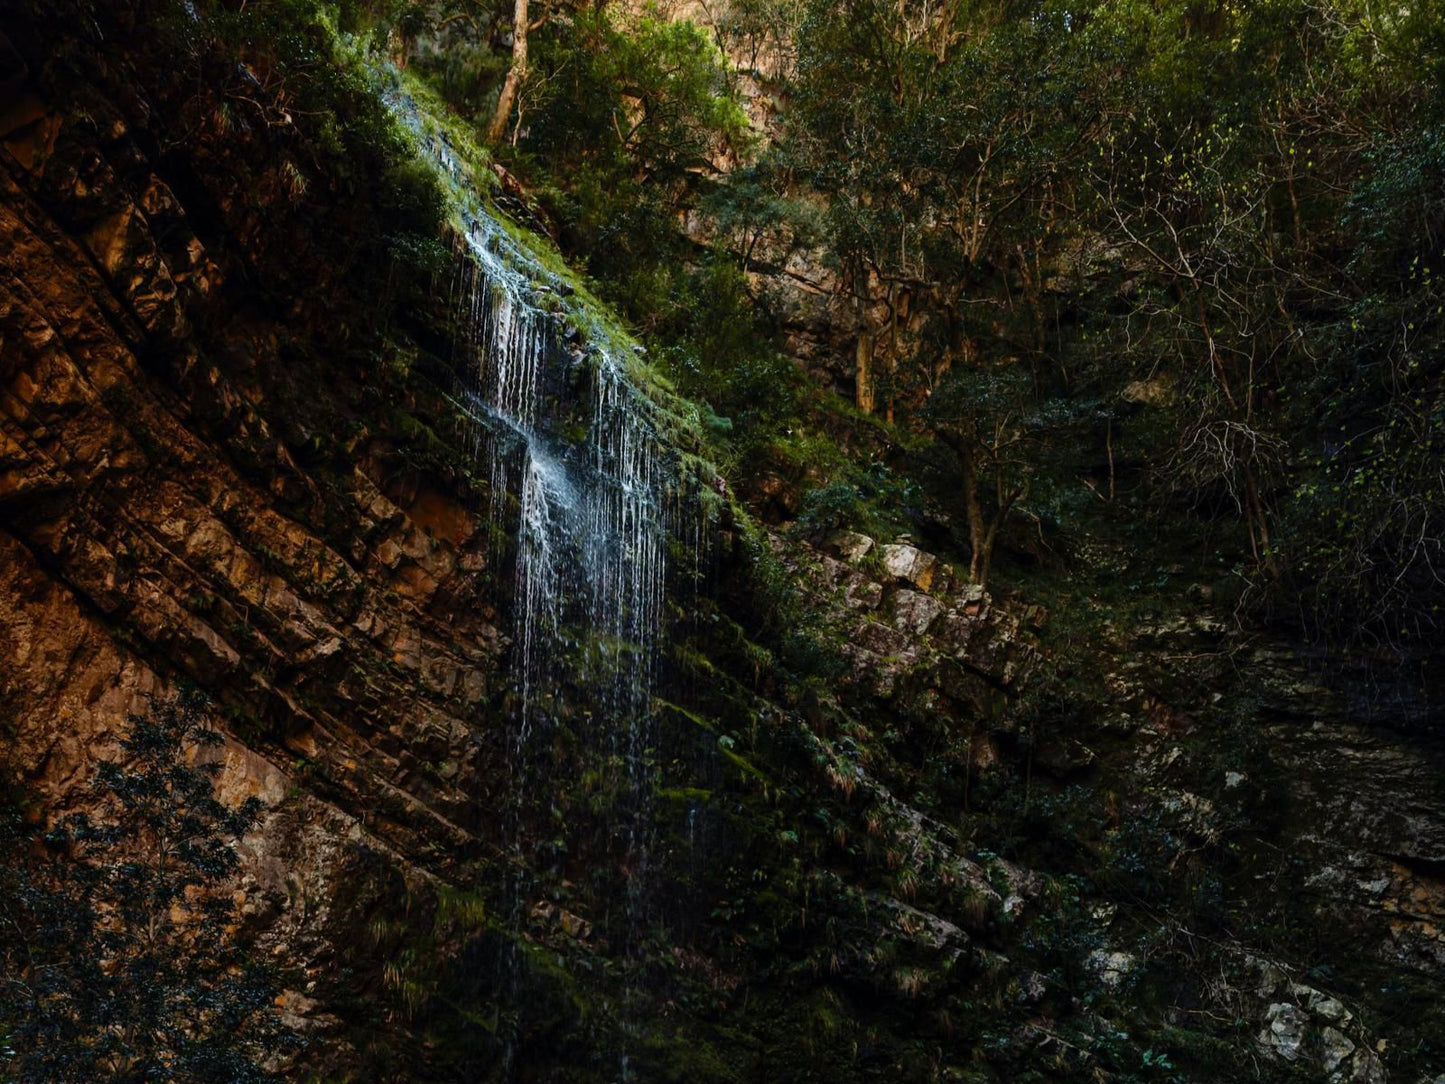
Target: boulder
x=910, y=564
x=1110, y=968
x=1284, y=1030
x=862, y=593
x=913, y=611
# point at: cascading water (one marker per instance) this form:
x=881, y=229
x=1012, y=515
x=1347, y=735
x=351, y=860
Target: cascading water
x=624, y=562
x=591, y=520
x=591, y=531
x=545, y=504
x=591, y=547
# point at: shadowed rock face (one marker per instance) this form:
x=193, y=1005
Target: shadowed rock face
x=196, y=483
x=151, y=478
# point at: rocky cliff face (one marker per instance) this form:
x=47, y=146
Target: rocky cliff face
x=196, y=483
x=937, y=837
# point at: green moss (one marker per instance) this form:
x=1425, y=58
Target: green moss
x=465, y=910
x=724, y=742
x=684, y=1058
x=685, y=795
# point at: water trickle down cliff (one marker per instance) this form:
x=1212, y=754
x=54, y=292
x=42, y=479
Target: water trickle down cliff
x=580, y=474
x=589, y=517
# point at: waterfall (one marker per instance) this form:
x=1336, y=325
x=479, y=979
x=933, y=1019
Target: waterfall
x=591, y=530
x=591, y=552
x=545, y=502
x=624, y=562
x=583, y=478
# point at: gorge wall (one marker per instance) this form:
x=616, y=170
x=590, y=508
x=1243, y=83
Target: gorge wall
x=943, y=836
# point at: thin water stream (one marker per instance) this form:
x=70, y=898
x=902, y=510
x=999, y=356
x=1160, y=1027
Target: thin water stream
x=578, y=477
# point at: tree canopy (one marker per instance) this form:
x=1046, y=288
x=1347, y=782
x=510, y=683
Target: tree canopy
x=1197, y=240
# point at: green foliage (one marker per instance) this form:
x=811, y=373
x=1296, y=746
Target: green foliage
x=120, y=960
x=870, y=498
x=1365, y=522
x=300, y=75
x=625, y=123
x=410, y=197
x=1230, y=213
x=720, y=355
x=628, y=122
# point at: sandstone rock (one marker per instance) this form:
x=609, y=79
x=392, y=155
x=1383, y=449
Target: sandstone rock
x=871, y=671
x=988, y=651
x=923, y=927
x=296, y=1010
x=1032, y=988
x=1335, y=1047
x=961, y=684
x=905, y=562
x=829, y=572
x=561, y=918
x=1110, y=968
x=1157, y=391
x=1284, y=1030
x=1194, y=813
x=1310, y=1026
x=913, y=611
x=1364, y=1068
x=1321, y=1005
x=883, y=640
x=863, y=594
x=953, y=632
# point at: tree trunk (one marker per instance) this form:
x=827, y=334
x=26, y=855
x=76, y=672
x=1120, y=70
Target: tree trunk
x=973, y=509
x=972, y=504
x=982, y=531
x=515, y=74
x=863, y=372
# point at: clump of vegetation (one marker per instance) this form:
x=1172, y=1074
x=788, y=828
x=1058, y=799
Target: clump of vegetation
x=119, y=958
x=1178, y=235
x=1097, y=253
